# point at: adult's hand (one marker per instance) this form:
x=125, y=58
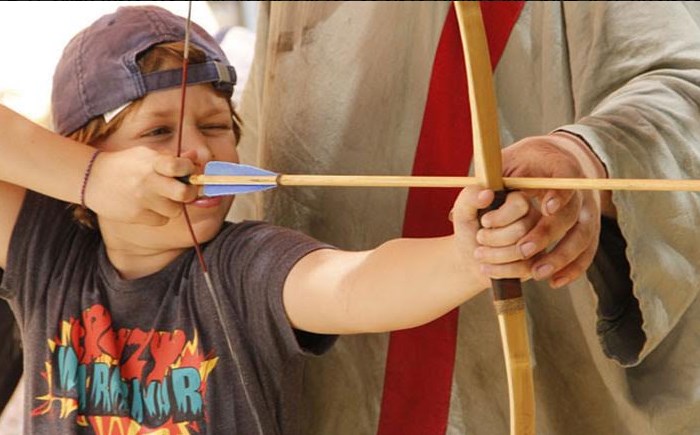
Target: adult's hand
x=564, y=240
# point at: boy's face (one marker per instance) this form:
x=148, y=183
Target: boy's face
x=207, y=135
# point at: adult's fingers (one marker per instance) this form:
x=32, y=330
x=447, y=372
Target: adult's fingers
x=574, y=269
x=568, y=257
x=553, y=200
x=550, y=229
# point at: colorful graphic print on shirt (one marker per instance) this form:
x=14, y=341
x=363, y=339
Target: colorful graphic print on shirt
x=125, y=380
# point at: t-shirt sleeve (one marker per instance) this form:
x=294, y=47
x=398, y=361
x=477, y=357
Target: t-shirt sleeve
x=256, y=259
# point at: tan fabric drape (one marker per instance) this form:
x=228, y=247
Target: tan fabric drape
x=340, y=88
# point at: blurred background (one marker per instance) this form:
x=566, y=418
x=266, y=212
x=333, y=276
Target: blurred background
x=33, y=35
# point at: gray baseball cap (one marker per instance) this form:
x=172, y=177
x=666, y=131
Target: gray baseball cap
x=98, y=71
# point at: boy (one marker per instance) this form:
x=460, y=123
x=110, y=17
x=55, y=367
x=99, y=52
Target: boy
x=118, y=321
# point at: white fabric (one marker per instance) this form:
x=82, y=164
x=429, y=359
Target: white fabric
x=340, y=88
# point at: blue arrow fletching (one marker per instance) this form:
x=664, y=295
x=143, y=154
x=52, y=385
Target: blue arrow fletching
x=226, y=168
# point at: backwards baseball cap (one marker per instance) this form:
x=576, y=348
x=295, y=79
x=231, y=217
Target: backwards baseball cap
x=98, y=72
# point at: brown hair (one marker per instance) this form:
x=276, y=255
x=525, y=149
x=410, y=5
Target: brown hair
x=158, y=58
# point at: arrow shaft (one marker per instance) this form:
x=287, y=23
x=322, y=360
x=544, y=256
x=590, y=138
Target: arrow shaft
x=428, y=181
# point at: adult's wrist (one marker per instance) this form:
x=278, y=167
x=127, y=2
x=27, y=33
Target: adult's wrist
x=591, y=165
x=589, y=161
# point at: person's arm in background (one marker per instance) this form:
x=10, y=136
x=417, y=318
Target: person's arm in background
x=637, y=95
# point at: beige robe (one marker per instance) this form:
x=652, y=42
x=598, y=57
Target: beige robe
x=340, y=88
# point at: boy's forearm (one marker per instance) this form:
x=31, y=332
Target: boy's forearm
x=408, y=282
x=401, y=284
x=38, y=159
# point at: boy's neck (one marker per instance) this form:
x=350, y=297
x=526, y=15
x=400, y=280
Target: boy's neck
x=135, y=253
x=132, y=264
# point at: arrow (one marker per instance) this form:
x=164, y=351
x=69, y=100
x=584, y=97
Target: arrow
x=224, y=178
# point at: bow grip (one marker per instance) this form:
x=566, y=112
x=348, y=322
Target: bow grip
x=505, y=288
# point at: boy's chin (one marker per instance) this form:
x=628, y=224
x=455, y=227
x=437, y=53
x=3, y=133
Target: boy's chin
x=205, y=231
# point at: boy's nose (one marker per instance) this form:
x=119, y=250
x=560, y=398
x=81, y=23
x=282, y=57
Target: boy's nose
x=194, y=141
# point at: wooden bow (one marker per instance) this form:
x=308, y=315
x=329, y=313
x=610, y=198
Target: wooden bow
x=508, y=298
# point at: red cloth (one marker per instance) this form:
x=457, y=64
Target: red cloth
x=418, y=380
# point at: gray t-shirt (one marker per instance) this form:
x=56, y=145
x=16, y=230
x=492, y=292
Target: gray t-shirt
x=107, y=355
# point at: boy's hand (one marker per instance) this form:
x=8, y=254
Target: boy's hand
x=137, y=185
x=498, y=249
x=494, y=246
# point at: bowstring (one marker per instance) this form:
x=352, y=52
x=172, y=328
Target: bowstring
x=183, y=93
x=197, y=246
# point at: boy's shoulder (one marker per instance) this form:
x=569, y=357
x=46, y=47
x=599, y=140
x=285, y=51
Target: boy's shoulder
x=254, y=231
x=259, y=239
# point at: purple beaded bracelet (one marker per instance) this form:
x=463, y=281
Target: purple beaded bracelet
x=86, y=176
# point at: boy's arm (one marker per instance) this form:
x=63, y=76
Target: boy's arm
x=34, y=158
x=401, y=284
x=134, y=185
x=405, y=282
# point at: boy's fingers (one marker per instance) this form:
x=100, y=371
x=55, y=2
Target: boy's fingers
x=180, y=192
x=508, y=235
x=515, y=207
x=151, y=218
x=173, y=190
x=502, y=255
x=519, y=269
x=165, y=196
x=171, y=166
x=468, y=203
x=166, y=208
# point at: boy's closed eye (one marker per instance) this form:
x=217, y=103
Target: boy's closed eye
x=216, y=128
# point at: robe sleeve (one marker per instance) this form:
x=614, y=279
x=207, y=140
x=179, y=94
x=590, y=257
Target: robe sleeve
x=635, y=73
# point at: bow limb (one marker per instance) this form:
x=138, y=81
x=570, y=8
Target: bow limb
x=508, y=298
